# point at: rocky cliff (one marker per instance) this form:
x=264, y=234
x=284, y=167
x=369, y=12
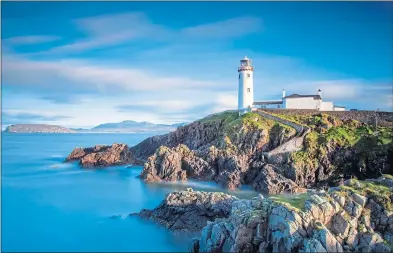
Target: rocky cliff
x=225, y=148
x=273, y=153
x=355, y=217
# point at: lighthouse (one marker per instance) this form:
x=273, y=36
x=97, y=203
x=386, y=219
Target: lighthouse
x=246, y=85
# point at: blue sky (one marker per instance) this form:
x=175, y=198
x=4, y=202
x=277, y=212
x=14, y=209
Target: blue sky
x=79, y=64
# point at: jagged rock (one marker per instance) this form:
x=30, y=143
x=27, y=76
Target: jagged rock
x=311, y=245
x=268, y=181
x=273, y=225
x=190, y=210
x=166, y=165
x=340, y=226
x=208, y=150
x=101, y=155
x=388, y=237
x=383, y=248
x=361, y=200
x=368, y=241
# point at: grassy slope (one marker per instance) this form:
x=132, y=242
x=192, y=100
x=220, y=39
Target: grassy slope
x=235, y=125
x=328, y=130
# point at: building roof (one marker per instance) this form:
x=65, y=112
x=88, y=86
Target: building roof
x=316, y=97
x=276, y=102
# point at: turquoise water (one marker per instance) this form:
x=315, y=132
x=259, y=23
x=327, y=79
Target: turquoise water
x=48, y=205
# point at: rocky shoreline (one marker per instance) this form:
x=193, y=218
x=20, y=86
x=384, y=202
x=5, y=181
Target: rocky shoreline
x=355, y=217
x=189, y=211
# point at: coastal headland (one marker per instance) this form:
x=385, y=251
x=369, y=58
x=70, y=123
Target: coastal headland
x=327, y=178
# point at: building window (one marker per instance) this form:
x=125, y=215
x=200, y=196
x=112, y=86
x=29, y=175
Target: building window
x=248, y=90
x=239, y=76
x=248, y=75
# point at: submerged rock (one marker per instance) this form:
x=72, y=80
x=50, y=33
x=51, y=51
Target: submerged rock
x=101, y=155
x=189, y=210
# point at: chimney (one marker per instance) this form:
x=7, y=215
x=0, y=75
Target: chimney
x=283, y=93
x=320, y=93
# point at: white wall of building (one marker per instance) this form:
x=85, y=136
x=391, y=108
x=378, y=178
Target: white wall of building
x=301, y=103
x=326, y=106
x=246, y=89
x=339, y=109
x=271, y=106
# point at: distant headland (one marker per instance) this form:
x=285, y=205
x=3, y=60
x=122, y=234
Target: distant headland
x=127, y=126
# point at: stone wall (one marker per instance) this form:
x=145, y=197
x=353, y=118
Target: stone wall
x=367, y=117
x=281, y=154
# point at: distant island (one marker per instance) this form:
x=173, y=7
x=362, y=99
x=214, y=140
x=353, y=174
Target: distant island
x=128, y=126
x=37, y=128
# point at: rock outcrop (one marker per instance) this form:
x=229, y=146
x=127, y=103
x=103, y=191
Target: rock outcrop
x=271, y=182
x=101, y=155
x=309, y=151
x=224, y=148
x=272, y=151
x=189, y=210
x=357, y=217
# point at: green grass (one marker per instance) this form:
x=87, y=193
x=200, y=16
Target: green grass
x=226, y=117
x=234, y=126
x=253, y=121
x=319, y=120
x=342, y=136
x=388, y=176
x=363, y=138
x=379, y=193
x=256, y=121
x=296, y=201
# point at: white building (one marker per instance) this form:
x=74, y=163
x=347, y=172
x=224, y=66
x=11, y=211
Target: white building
x=294, y=101
x=246, y=85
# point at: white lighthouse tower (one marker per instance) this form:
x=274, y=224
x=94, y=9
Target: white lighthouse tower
x=246, y=85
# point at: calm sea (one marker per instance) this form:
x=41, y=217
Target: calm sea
x=48, y=205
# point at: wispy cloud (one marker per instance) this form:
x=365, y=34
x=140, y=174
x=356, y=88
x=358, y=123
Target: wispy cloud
x=235, y=27
x=79, y=75
x=116, y=29
x=20, y=117
x=33, y=39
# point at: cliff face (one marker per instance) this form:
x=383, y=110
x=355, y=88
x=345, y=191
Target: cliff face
x=247, y=134
x=273, y=153
x=225, y=148
x=356, y=217
x=336, y=149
